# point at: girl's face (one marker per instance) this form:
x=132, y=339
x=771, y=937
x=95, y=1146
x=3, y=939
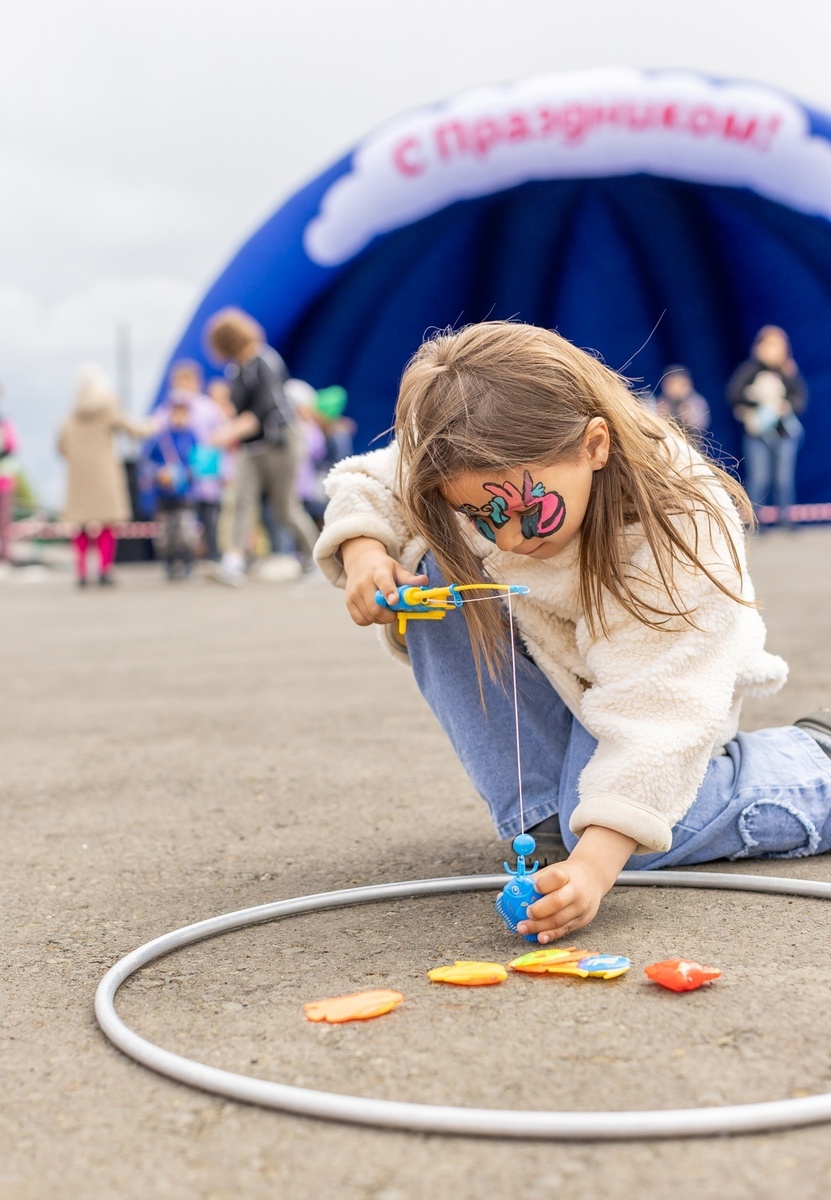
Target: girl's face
x=534, y=511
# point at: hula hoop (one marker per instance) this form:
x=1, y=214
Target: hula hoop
x=432, y=1118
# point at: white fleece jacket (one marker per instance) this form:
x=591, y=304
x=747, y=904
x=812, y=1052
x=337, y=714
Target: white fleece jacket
x=660, y=704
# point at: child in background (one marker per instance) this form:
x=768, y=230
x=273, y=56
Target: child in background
x=206, y=417
x=167, y=476
x=330, y=413
x=521, y=459
x=679, y=401
x=309, y=475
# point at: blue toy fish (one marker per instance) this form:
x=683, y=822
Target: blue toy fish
x=512, y=902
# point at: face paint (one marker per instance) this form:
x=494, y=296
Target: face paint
x=540, y=513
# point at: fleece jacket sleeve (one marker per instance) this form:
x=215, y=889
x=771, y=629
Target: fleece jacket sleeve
x=362, y=503
x=656, y=705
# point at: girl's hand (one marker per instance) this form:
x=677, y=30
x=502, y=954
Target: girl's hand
x=572, y=891
x=369, y=569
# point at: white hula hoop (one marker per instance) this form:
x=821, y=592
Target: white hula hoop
x=433, y=1118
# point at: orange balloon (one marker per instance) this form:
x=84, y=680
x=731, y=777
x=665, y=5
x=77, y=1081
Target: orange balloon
x=359, y=1006
x=469, y=973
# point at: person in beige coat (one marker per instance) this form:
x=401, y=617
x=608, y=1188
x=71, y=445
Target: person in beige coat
x=97, y=498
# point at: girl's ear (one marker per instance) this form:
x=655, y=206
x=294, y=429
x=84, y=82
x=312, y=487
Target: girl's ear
x=597, y=443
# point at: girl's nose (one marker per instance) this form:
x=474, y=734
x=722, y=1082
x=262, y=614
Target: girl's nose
x=509, y=538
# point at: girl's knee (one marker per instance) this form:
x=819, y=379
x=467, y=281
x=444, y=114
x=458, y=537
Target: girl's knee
x=775, y=828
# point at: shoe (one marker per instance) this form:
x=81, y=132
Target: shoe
x=818, y=726
x=277, y=568
x=82, y=582
x=230, y=576
x=106, y=580
x=550, y=845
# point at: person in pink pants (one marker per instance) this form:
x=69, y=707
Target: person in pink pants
x=97, y=498
x=8, y=484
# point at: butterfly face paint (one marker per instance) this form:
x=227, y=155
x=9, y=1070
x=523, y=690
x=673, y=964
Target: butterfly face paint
x=540, y=512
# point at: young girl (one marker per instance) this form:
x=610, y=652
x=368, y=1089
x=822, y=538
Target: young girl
x=520, y=459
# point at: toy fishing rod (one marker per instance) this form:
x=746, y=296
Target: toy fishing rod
x=434, y=603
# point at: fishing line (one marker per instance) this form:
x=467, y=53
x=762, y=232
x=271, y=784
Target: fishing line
x=516, y=711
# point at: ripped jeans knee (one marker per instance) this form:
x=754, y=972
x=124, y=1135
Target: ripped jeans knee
x=774, y=828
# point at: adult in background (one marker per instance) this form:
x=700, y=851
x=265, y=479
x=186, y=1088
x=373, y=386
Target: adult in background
x=8, y=482
x=97, y=498
x=678, y=401
x=768, y=394
x=271, y=442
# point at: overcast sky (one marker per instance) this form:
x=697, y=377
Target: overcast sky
x=141, y=143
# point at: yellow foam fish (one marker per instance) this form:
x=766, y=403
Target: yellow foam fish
x=553, y=960
x=359, y=1006
x=469, y=974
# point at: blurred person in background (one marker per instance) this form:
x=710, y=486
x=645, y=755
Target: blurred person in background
x=97, y=498
x=678, y=401
x=169, y=486
x=8, y=481
x=219, y=390
x=271, y=445
x=768, y=394
x=330, y=412
x=206, y=417
x=315, y=462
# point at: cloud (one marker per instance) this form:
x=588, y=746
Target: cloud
x=41, y=344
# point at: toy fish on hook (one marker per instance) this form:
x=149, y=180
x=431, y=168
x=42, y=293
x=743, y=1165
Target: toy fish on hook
x=512, y=902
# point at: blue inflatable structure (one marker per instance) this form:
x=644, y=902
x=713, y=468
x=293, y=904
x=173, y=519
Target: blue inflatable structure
x=655, y=217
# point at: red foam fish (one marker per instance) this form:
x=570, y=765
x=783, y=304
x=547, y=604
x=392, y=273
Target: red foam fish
x=681, y=974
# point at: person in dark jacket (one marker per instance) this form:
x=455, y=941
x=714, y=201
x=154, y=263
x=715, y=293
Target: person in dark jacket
x=768, y=395
x=267, y=429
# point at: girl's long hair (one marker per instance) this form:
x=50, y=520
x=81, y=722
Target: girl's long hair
x=500, y=395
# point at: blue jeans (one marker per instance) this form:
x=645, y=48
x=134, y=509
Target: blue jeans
x=771, y=469
x=768, y=796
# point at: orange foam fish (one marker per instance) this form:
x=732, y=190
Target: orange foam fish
x=681, y=974
x=360, y=1006
x=468, y=973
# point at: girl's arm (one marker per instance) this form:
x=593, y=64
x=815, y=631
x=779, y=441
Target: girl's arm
x=363, y=505
x=572, y=890
x=369, y=569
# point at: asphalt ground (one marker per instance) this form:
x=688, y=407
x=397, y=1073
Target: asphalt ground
x=175, y=751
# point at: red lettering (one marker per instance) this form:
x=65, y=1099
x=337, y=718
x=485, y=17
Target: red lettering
x=549, y=121
x=484, y=135
x=702, y=120
x=642, y=116
x=406, y=159
x=669, y=116
x=444, y=133
x=767, y=132
x=742, y=132
x=578, y=120
x=518, y=128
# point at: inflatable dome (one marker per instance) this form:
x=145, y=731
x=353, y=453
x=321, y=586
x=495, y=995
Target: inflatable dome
x=655, y=217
